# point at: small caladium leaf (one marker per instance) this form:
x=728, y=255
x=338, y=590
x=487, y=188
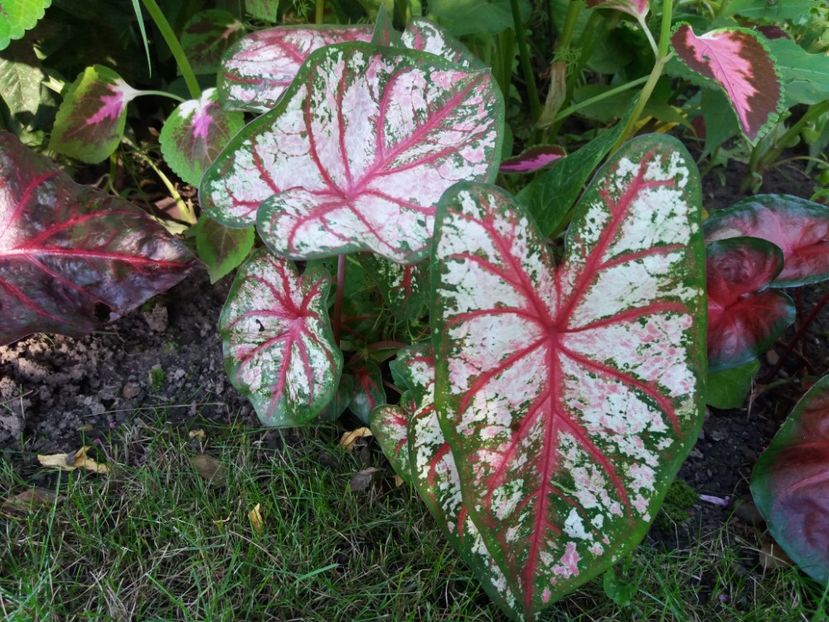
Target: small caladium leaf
x=790, y=483
x=221, y=249
x=729, y=388
x=278, y=347
x=369, y=392
x=195, y=133
x=331, y=182
x=261, y=65
x=389, y=425
x=90, y=121
x=800, y=228
x=571, y=395
x=422, y=34
x=18, y=16
x=739, y=62
x=533, y=159
x=744, y=317
x=637, y=8
x=207, y=36
x=384, y=32
x=71, y=256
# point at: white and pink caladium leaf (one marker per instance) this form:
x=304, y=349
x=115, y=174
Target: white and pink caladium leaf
x=739, y=62
x=533, y=159
x=800, y=228
x=72, y=256
x=259, y=67
x=636, y=8
x=411, y=437
x=195, y=133
x=278, y=346
x=790, y=483
x=369, y=392
x=330, y=181
x=570, y=395
x=207, y=36
x=90, y=121
x=744, y=317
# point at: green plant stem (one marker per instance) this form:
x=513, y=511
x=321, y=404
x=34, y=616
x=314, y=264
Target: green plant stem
x=175, y=47
x=162, y=94
x=526, y=65
x=571, y=18
x=601, y=96
x=319, y=13
x=339, y=295
x=815, y=112
x=643, y=24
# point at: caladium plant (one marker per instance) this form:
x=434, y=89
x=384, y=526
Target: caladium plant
x=71, y=256
x=329, y=182
x=790, y=483
x=207, y=36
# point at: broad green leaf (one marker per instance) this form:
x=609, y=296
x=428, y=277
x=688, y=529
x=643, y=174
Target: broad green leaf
x=331, y=182
x=720, y=120
x=278, y=347
x=18, y=16
x=729, y=388
x=342, y=398
x=221, y=249
x=570, y=395
x=369, y=392
x=805, y=76
x=207, y=36
x=466, y=17
x=20, y=82
x=264, y=10
x=790, y=483
x=775, y=11
x=90, y=121
x=71, y=256
x=195, y=133
x=738, y=61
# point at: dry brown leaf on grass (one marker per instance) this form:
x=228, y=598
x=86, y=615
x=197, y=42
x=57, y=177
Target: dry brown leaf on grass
x=72, y=461
x=255, y=516
x=28, y=501
x=349, y=439
x=772, y=556
x=398, y=481
x=209, y=468
x=362, y=479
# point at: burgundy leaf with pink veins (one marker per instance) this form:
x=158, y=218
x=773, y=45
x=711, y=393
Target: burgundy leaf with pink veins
x=279, y=349
x=533, y=159
x=739, y=62
x=637, y=8
x=570, y=395
x=72, y=256
x=358, y=152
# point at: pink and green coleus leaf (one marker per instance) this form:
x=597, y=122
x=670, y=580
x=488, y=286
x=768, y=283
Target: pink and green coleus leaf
x=744, y=317
x=278, y=347
x=259, y=67
x=790, y=483
x=18, y=16
x=570, y=395
x=739, y=62
x=220, y=248
x=90, y=121
x=195, y=133
x=369, y=392
x=533, y=159
x=800, y=228
x=637, y=8
x=330, y=181
x=72, y=256
x=207, y=36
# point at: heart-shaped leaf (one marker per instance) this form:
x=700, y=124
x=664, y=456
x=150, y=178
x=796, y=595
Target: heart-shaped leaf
x=72, y=256
x=790, y=483
x=571, y=395
x=195, y=133
x=207, y=36
x=744, y=317
x=369, y=392
x=18, y=16
x=278, y=347
x=333, y=181
x=637, y=8
x=800, y=228
x=222, y=249
x=90, y=121
x=257, y=70
x=532, y=159
x=739, y=62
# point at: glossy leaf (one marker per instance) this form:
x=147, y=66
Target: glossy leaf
x=570, y=395
x=207, y=36
x=369, y=392
x=744, y=317
x=532, y=159
x=18, y=16
x=72, y=256
x=790, y=483
x=466, y=17
x=800, y=228
x=90, y=121
x=738, y=60
x=278, y=347
x=775, y=11
x=729, y=388
x=331, y=182
x=195, y=133
x=221, y=249
x=637, y=8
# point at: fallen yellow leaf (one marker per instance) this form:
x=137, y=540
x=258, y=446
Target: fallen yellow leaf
x=219, y=522
x=255, y=517
x=72, y=461
x=197, y=433
x=348, y=439
x=398, y=481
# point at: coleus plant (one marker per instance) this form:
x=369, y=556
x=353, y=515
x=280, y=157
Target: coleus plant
x=565, y=397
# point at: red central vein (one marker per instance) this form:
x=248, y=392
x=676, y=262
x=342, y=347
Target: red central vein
x=92, y=254
x=25, y=198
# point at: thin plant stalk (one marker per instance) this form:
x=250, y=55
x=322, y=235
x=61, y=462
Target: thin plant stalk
x=162, y=94
x=524, y=57
x=172, y=42
x=337, y=315
x=319, y=12
x=601, y=96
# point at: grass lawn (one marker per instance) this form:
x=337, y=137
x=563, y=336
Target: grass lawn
x=154, y=540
